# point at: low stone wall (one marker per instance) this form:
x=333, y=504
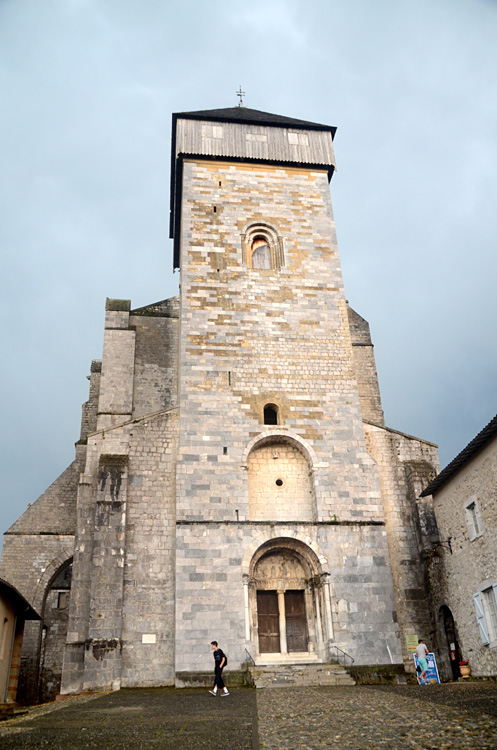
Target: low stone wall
x=235, y=678
x=379, y=674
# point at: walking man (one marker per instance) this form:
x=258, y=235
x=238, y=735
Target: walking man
x=220, y=662
x=421, y=653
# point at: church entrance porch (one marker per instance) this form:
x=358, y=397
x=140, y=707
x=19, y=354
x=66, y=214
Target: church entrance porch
x=286, y=602
x=282, y=622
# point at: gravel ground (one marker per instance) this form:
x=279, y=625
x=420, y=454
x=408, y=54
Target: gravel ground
x=387, y=717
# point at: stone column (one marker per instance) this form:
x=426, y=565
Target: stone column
x=319, y=623
x=309, y=616
x=325, y=577
x=282, y=622
x=246, y=579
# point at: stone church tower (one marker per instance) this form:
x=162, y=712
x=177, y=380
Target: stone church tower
x=234, y=478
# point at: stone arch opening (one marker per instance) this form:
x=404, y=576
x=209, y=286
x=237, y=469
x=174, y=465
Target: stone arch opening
x=288, y=601
x=448, y=644
x=280, y=481
x=54, y=613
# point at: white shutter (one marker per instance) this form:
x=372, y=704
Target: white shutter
x=480, y=617
x=479, y=529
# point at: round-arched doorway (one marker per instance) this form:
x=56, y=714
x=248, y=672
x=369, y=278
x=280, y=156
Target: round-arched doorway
x=449, y=646
x=287, y=601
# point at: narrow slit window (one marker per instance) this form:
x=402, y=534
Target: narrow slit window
x=271, y=414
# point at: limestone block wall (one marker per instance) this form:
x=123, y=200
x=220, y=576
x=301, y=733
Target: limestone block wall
x=473, y=564
x=251, y=336
x=211, y=605
x=140, y=363
x=156, y=360
x=365, y=368
x=52, y=643
x=149, y=586
x=405, y=465
x=115, y=403
x=122, y=604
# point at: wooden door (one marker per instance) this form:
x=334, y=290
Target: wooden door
x=296, y=622
x=268, y=619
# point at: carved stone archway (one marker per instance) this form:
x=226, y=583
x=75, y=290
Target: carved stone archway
x=287, y=601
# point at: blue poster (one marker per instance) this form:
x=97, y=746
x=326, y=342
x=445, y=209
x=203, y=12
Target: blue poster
x=432, y=676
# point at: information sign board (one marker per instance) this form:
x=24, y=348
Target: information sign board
x=411, y=643
x=432, y=675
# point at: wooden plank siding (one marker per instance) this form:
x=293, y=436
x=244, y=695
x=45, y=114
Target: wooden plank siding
x=245, y=141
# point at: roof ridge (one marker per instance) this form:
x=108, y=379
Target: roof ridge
x=472, y=448
x=252, y=116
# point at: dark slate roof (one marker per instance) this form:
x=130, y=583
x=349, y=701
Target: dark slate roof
x=252, y=117
x=472, y=448
x=27, y=610
x=230, y=114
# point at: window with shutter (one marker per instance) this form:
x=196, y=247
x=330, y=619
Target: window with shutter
x=473, y=518
x=489, y=605
x=480, y=618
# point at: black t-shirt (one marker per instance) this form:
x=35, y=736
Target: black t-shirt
x=218, y=657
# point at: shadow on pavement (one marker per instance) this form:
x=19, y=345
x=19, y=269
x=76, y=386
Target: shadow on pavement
x=140, y=718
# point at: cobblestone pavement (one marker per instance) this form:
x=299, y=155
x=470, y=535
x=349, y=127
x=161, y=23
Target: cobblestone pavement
x=135, y=719
x=407, y=717
x=456, y=716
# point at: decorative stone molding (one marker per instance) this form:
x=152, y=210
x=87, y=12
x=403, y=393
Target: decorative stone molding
x=48, y=575
x=285, y=435
x=268, y=232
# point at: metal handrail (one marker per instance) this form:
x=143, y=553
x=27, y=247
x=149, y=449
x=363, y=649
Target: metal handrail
x=249, y=659
x=341, y=655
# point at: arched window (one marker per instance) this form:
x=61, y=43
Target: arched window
x=262, y=246
x=271, y=414
x=261, y=253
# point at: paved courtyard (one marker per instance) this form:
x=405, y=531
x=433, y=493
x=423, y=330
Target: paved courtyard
x=386, y=717
x=351, y=718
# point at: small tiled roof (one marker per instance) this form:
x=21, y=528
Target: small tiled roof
x=472, y=448
x=26, y=609
x=253, y=117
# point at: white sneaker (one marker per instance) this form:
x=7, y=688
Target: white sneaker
x=213, y=692
x=223, y=695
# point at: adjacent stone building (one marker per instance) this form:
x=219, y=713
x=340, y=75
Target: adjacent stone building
x=14, y=612
x=463, y=566
x=234, y=478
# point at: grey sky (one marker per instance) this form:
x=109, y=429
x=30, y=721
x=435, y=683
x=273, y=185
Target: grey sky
x=87, y=90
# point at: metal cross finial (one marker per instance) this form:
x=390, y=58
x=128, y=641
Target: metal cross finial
x=241, y=94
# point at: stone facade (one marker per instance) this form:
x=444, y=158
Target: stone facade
x=234, y=478
x=463, y=570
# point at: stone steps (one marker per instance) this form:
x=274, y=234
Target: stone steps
x=300, y=675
